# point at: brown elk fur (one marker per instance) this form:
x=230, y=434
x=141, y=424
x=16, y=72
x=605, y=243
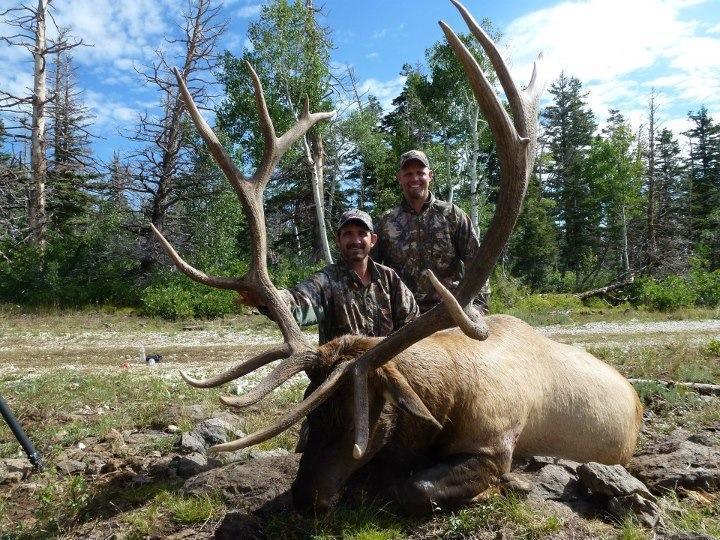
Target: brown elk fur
x=516, y=394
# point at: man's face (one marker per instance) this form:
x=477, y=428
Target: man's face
x=415, y=180
x=355, y=241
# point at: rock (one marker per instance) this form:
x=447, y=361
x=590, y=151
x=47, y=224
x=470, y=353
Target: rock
x=112, y=465
x=646, y=511
x=95, y=464
x=250, y=484
x=189, y=443
x=611, y=481
x=191, y=464
x=71, y=466
x=556, y=483
x=240, y=525
x=215, y=431
x=516, y=484
x=15, y=465
x=172, y=428
x=626, y=493
x=691, y=463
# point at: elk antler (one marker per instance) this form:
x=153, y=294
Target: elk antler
x=296, y=351
x=515, y=139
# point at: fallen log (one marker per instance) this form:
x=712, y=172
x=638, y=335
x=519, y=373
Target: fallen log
x=604, y=290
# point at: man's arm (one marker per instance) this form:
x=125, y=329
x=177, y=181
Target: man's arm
x=306, y=300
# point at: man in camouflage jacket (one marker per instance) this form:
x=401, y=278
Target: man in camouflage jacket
x=354, y=295
x=423, y=232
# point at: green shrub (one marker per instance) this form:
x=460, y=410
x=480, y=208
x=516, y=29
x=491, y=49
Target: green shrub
x=706, y=286
x=179, y=298
x=669, y=293
x=169, y=301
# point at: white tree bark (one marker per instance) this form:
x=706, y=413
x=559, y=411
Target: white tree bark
x=38, y=159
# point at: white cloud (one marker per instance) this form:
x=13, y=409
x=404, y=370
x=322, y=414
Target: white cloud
x=385, y=91
x=714, y=29
x=620, y=49
x=372, y=55
x=118, y=30
x=379, y=34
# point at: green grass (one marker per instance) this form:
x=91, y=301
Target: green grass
x=679, y=361
x=690, y=516
x=60, y=408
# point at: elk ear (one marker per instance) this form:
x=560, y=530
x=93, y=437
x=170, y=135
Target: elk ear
x=399, y=391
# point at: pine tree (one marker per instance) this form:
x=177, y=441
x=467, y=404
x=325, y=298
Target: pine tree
x=533, y=246
x=70, y=163
x=704, y=167
x=672, y=203
x=568, y=128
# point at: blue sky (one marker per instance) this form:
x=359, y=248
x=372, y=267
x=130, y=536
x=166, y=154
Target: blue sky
x=620, y=49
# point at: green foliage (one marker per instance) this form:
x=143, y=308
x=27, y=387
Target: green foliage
x=669, y=293
x=662, y=399
x=699, y=288
x=713, y=347
x=74, y=270
x=174, y=296
x=61, y=503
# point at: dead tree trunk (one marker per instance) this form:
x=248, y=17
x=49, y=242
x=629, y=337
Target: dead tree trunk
x=31, y=25
x=651, y=214
x=38, y=159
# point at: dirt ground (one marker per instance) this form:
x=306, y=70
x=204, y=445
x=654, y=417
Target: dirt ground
x=114, y=474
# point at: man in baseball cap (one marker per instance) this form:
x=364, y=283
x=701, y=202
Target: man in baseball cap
x=354, y=295
x=423, y=232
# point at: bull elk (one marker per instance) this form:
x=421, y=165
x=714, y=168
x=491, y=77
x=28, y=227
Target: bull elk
x=445, y=408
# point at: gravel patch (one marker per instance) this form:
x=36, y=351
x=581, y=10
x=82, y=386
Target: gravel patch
x=632, y=327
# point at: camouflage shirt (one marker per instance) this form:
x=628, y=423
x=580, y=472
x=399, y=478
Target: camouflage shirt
x=439, y=237
x=336, y=299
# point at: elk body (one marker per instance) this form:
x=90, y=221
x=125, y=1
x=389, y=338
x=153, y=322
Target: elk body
x=517, y=393
x=440, y=412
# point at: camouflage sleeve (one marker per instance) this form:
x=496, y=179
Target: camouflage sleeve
x=308, y=300
x=404, y=306
x=466, y=240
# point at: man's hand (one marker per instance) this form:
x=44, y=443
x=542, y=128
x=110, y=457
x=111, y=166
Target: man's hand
x=249, y=298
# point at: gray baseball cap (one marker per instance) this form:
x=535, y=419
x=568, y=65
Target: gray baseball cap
x=418, y=155
x=356, y=215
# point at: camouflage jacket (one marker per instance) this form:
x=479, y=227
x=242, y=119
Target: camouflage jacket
x=439, y=237
x=336, y=299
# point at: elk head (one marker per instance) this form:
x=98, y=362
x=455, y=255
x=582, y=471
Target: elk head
x=353, y=381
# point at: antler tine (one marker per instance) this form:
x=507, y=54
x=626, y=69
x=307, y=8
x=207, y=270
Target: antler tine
x=248, y=366
x=195, y=274
x=282, y=372
x=511, y=90
x=293, y=416
x=233, y=174
x=303, y=124
x=469, y=319
x=500, y=122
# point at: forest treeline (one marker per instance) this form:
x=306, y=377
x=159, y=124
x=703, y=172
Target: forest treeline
x=634, y=209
